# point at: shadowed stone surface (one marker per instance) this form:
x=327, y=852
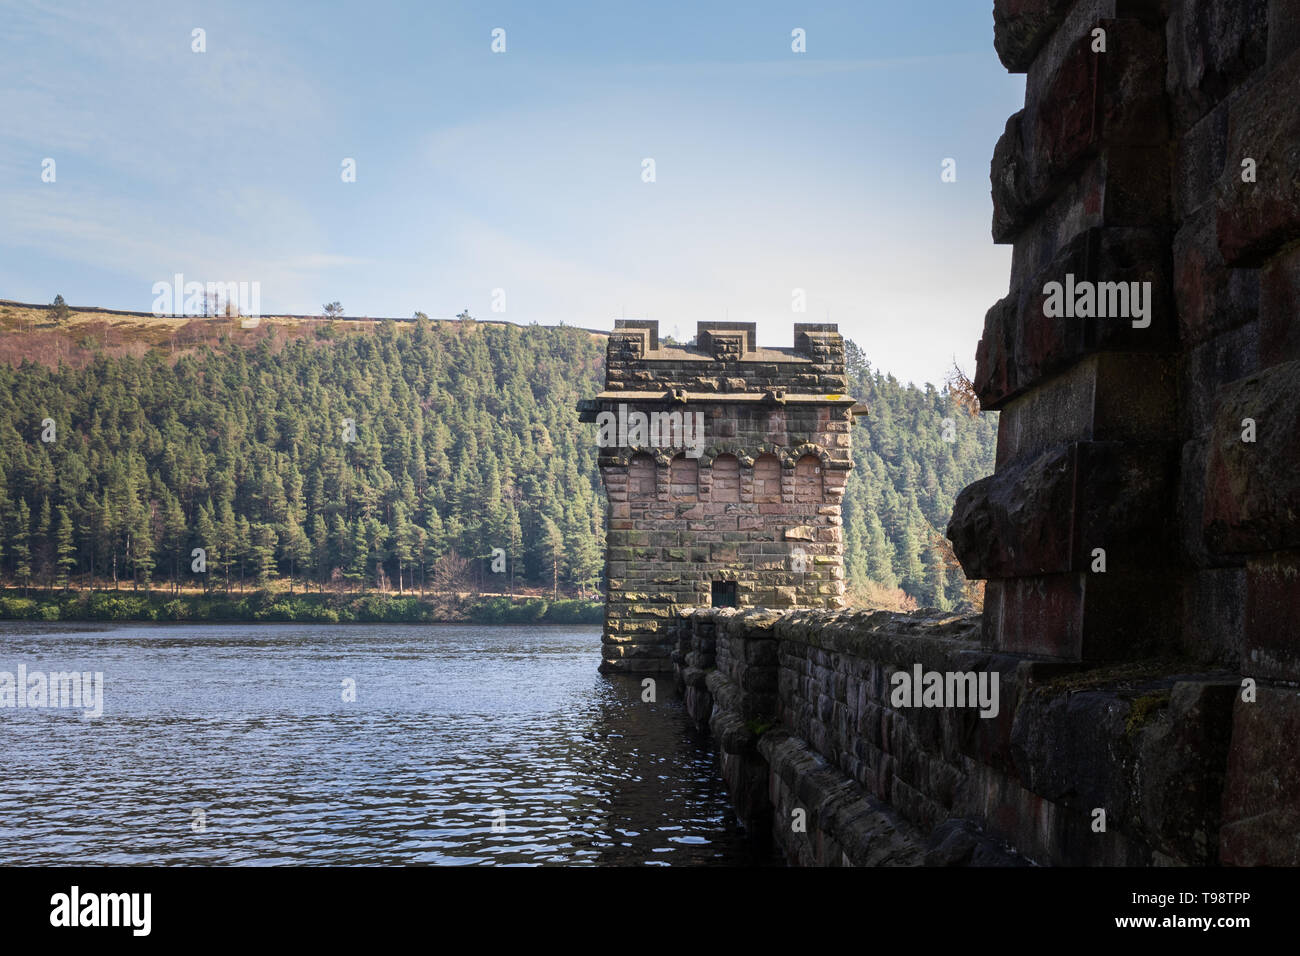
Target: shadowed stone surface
x=1173, y=157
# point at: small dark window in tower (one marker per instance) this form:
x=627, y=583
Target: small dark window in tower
x=724, y=593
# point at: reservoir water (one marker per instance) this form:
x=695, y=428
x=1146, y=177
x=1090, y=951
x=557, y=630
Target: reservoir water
x=234, y=744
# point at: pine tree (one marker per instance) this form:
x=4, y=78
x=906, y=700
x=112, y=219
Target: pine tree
x=880, y=565
x=403, y=542
x=553, y=551
x=243, y=546
x=295, y=545
x=207, y=540
x=911, y=574
x=65, y=548
x=43, y=548
x=936, y=580
x=141, y=550
x=358, y=555
x=175, y=534
x=262, y=553
x=20, y=545
x=318, y=532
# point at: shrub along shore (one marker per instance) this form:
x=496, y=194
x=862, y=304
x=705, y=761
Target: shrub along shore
x=266, y=606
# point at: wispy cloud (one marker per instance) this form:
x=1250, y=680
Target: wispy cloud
x=520, y=171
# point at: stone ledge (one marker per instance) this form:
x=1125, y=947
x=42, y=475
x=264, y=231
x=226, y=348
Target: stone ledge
x=866, y=831
x=882, y=634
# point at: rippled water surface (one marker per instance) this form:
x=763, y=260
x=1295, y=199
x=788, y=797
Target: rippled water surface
x=465, y=744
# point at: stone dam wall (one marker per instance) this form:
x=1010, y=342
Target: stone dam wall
x=821, y=759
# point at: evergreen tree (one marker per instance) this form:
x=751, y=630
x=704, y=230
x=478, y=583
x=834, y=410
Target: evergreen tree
x=44, y=544
x=19, y=544
x=207, y=540
x=65, y=548
x=262, y=554
x=553, y=552
x=175, y=535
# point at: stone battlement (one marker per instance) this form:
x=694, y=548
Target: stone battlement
x=725, y=358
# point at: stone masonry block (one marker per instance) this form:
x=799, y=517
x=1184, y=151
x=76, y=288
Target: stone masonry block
x=1257, y=218
x=1022, y=347
x=1252, y=497
x=1048, y=513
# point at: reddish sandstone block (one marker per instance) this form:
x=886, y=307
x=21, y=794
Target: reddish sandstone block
x=1211, y=297
x=1021, y=346
x=1093, y=400
x=1279, y=307
x=1252, y=496
x=1213, y=46
x=1206, y=368
x=1078, y=616
x=1261, y=800
x=1089, y=101
x=1283, y=29
x=1257, y=218
x=1272, y=645
x=1046, y=514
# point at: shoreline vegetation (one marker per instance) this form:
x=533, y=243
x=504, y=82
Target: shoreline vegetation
x=269, y=607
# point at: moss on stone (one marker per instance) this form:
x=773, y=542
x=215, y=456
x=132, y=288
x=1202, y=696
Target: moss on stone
x=1142, y=708
x=1130, y=672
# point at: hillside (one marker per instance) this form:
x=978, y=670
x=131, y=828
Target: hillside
x=171, y=434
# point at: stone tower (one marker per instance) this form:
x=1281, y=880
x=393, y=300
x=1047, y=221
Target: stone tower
x=724, y=465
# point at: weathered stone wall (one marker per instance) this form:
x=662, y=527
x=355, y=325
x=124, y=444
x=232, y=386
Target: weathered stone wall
x=802, y=709
x=759, y=507
x=1173, y=157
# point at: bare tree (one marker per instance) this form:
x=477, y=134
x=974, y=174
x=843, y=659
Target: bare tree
x=962, y=390
x=451, y=573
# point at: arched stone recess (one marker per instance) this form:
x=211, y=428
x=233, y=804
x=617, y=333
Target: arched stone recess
x=767, y=483
x=724, y=479
x=726, y=448
x=790, y=457
x=769, y=448
x=683, y=479
x=809, y=480
x=642, y=477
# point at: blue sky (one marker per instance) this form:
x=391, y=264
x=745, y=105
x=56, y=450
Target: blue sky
x=521, y=170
